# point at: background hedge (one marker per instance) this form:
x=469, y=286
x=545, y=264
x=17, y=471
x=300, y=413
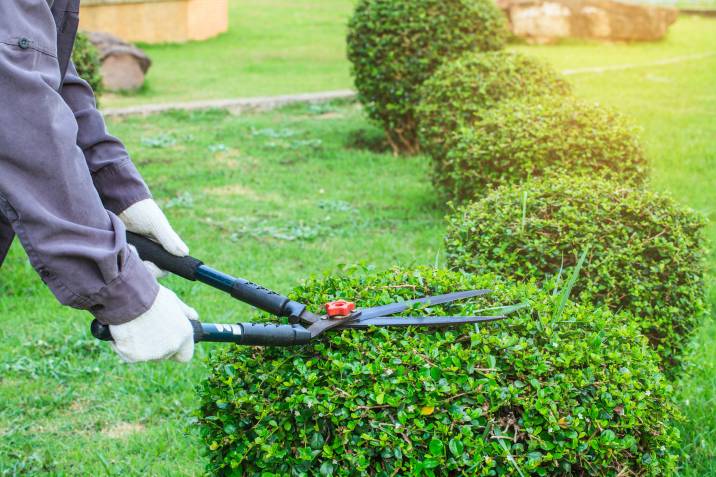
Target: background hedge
x=395, y=46
x=570, y=392
x=86, y=60
x=645, y=254
x=461, y=90
x=519, y=139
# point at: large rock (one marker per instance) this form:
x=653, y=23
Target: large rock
x=543, y=21
x=123, y=64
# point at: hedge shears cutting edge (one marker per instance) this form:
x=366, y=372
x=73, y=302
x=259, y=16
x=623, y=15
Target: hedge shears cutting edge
x=303, y=325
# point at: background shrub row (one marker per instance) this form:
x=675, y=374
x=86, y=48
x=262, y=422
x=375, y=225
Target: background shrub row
x=561, y=387
x=528, y=138
x=395, y=46
x=461, y=91
x=645, y=253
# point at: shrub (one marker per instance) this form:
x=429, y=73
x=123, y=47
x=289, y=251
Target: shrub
x=460, y=91
x=645, y=251
x=570, y=392
x=395, y=46
x=517, y=140
x=86, y=60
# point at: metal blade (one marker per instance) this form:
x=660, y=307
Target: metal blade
x=431, y=321
x=394, y=308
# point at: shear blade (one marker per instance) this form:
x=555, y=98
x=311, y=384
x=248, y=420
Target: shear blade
x=393, y=308
x=430, y=321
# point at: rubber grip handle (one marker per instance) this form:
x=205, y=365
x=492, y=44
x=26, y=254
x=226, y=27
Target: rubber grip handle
x=265, y=299
x=151, y=251
x=250, y=334
x=266, y=334
x=102, y=332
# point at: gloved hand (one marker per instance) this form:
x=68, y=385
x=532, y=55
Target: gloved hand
x=162, y=332
x=147, y=219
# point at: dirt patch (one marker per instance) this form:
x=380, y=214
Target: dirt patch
x=233, y=159
x=238, y=190
x=227, y=159
x=123, y=429
x=78, y=406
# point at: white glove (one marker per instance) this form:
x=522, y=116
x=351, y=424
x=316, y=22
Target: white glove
x=147, y=219
x=162, y=332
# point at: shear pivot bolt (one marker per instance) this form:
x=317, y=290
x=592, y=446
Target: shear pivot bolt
x=340, y=308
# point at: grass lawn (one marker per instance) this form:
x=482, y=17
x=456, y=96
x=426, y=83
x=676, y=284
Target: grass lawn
x=298, y=46
x=278, y=196
x=272, y=47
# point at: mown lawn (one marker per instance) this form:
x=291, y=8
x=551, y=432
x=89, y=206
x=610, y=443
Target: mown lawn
x=298, y=46
x=277, y=197
x=272, y=47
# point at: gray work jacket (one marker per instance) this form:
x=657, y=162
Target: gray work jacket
x=63, y=178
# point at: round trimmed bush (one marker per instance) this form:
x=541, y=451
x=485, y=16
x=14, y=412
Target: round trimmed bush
x=395, y=46
x=86, y=60
x=517, y=140
x=460, y=92
x=552, y=391
x=645, y=252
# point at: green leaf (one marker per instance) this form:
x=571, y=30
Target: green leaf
x=316, y=441
x=567, y=290
x=326, y=469
x=435, y=373
x=436, y=447
x=456, y=447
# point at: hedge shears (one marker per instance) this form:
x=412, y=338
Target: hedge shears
x=303, y=326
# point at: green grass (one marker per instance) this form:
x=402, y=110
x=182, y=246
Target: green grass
x=272, y=47
x=689, y=36
x=277, y=197
x=296, y=46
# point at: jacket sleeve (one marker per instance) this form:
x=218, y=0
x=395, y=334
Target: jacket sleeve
x=46, y=189
x=116, y=179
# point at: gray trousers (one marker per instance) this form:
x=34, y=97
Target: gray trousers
x=63, y=178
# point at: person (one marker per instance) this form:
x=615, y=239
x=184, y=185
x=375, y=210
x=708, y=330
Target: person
x=69, y=190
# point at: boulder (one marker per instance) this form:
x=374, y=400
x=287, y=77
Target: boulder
x=543, y=21
x=123, y=64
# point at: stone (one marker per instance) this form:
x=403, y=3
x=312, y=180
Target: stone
x=543, y=21
x=156, y=21
x=123, y=65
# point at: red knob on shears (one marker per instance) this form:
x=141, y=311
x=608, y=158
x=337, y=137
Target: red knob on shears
x=340, y=308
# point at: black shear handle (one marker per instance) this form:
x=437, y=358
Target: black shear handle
x=194, y=269
x=249, y=334
x=185, y=267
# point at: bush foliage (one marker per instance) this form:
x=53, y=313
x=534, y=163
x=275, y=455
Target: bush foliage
x=518, y=139
x=462, y=90
x=395, y=46
x=645, y=252
x=555, y=390
x=86, y=60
